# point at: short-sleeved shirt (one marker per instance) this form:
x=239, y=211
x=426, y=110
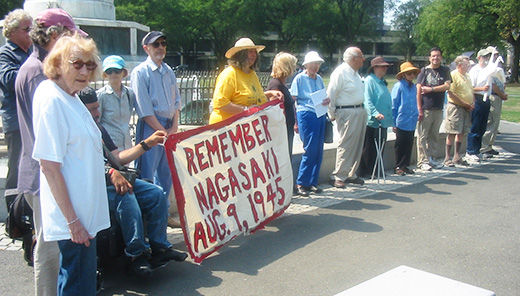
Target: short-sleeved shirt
x=115, y=114
x=461, y=87
x=29, y=77
x=433, y=77
x=155, y=89
x=12, y=57
x=66, y=133
x=235, y=86
x=302, y=87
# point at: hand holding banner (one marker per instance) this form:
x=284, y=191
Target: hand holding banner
x=231, y=177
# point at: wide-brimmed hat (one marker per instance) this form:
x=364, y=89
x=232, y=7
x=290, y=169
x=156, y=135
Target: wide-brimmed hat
x=57, y=16
x=241, y=44
x=405, y=68
x=378, y=61
x=311, y=57
x=485, y=51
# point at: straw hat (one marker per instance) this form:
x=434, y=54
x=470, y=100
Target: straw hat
x=406, y=67
x=241, y=44
x=312, y=56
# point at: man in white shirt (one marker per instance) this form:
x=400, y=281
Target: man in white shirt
x=346, y=93
x=479, y=115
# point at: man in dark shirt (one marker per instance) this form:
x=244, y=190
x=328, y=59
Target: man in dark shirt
x=13, y=54
x=131, y=203
x=48, y=26
x=432, y=83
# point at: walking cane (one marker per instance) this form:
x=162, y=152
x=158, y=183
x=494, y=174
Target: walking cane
x=379, y=164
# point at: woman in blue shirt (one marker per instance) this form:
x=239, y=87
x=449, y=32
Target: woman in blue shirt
x=404, y=110
x=311, y=127
x=378, y=105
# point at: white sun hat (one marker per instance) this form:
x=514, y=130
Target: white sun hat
x=241, y=44
x=312, y=56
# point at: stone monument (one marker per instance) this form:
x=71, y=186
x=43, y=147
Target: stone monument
x=98, y=19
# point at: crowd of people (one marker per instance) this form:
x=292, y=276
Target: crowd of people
x=79, y=139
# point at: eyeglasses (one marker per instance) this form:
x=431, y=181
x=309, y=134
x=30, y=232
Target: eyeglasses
x=110, y=71
x=27, y=29
x=78, y=65
x=156, y=44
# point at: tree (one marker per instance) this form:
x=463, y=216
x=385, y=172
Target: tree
x=463, y=25
x=406, y=16
x=7, y=6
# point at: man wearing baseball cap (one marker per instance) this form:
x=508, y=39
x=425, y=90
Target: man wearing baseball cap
x=157, y=105
x=48, y=26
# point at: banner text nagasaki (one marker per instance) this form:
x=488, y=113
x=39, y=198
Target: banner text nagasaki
x=230, y=178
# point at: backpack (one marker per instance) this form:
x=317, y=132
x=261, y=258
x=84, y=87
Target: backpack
x=19, y=222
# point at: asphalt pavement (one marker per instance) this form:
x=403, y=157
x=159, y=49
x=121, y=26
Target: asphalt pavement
x=458, y=223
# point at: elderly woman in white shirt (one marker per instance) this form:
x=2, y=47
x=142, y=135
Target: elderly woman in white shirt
x=68, y=146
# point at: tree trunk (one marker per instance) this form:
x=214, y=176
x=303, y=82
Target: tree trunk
x=516, y=57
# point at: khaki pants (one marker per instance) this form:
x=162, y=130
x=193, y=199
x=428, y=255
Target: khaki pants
x=46, y=254
x=351, y=125
x=488, y=139
x=429, y=142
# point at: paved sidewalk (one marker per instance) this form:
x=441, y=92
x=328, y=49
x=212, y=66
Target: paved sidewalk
x=329, y=197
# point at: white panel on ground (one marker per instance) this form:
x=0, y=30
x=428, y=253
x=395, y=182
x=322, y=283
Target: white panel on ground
x=407, y=281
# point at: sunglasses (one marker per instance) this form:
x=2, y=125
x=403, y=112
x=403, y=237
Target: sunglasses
x=78, y=65
x=110, y=71
x=156, y=44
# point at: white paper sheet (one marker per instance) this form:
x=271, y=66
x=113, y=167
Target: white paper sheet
x=317, y=98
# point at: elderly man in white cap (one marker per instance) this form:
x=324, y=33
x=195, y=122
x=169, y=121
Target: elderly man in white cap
x=346, y=93
x=157, y=105
x=310, y=126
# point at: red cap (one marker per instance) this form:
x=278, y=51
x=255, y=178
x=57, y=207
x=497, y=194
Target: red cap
x=58, y=16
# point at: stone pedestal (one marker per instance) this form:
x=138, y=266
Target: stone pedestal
x=98, y=19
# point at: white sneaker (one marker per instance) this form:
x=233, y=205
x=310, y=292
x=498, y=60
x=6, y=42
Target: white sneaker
x=485, y=156
x=435, y=164
x=425, y=167
x=472, y=158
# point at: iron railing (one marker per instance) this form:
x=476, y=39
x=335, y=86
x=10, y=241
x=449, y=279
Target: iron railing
x=196, y=89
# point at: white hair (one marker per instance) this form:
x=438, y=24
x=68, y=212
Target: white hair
x=350, y=53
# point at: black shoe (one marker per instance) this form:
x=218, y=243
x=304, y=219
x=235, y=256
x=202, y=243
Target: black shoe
x=140, y=266
x=338, y=184
x=167, y=254
x=303, y=191
x=357, y=181
x=315, y=189
x=408, y=171
x=399, y=172
x=492, y=152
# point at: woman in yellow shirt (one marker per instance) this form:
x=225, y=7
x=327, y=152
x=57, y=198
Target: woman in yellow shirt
x=238, y=87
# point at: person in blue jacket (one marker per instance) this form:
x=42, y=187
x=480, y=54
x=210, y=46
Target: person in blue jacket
x=378, y=105
x=405, y=114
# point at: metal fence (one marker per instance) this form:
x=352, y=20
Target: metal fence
x=196, y=89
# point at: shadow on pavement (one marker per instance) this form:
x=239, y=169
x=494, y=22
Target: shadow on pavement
x=246, y=255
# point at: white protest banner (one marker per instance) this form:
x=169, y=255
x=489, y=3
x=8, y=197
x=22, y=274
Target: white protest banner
x=231, y=177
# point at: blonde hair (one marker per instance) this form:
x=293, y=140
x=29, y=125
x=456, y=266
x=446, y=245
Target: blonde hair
x=58, y=58
x=12, y=21
x=284, y=65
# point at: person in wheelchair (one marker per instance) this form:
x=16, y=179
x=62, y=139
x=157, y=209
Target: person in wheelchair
x=133, y=203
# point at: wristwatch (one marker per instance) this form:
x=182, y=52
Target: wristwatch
x=145, y=146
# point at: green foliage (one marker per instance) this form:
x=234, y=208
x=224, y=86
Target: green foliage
x=406, y=16
x=8, y=5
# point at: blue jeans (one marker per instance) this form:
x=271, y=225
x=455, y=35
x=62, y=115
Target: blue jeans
x=147, y=202
x=479, y=117
x=154, y=164
x=312, y=134
x=78, y=263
